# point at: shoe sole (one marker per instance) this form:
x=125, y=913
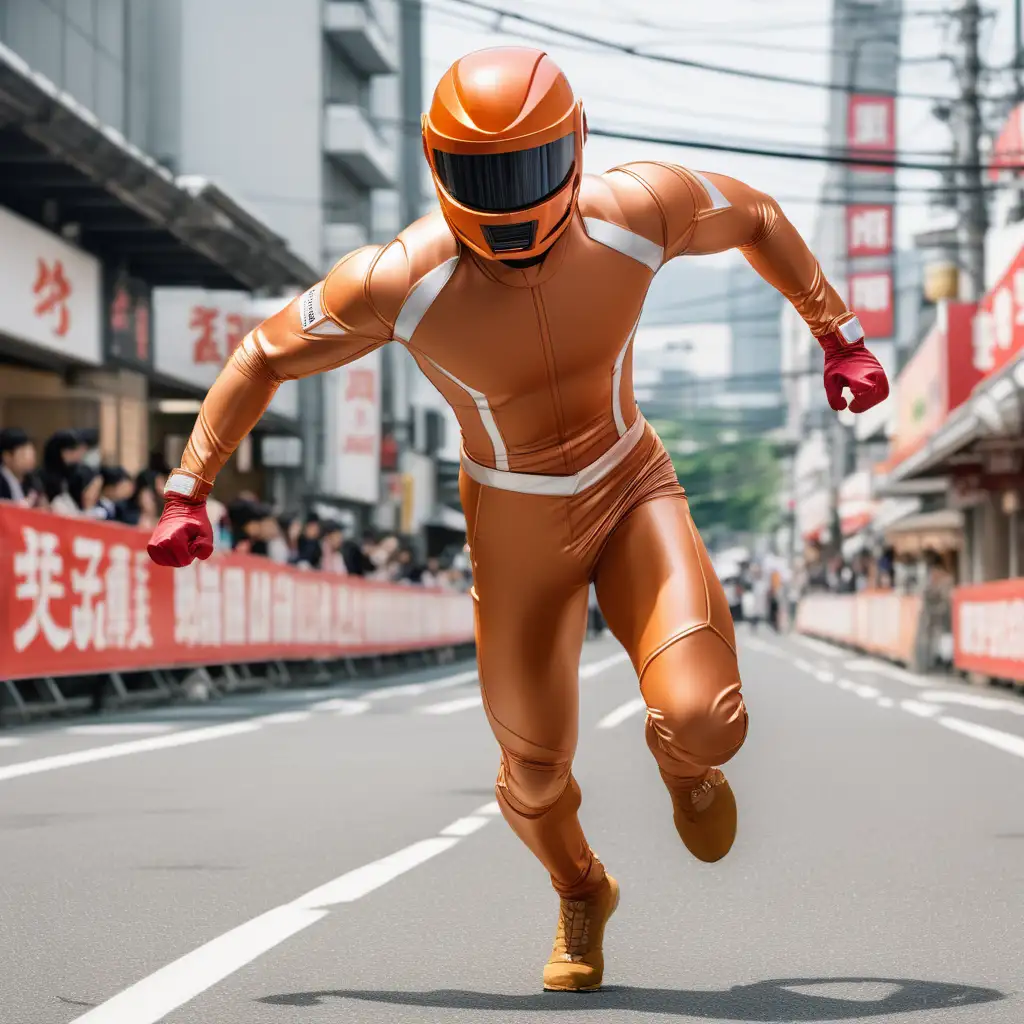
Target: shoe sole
x=588, y=988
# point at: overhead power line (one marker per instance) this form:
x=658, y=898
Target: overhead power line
x=695, y=65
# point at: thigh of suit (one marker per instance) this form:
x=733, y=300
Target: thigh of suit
x=662, y=600
x=530, y=593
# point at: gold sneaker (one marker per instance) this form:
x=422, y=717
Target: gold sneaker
x=704, y=815
x=577, y=960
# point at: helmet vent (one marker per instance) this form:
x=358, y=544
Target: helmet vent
x=510, y=237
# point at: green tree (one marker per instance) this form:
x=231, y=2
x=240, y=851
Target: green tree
x=732, y=481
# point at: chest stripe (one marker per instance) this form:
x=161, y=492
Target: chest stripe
x=483, y=407
x=620, y=419
x=641, y=249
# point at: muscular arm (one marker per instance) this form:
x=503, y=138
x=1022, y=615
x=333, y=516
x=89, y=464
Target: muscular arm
x=708, y=213
x=332, y=324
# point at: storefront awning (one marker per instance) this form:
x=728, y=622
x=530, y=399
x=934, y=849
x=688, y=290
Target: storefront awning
x=61, y=167
x=994, y=412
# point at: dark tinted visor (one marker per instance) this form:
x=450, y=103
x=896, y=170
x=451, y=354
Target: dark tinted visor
x=501, y=182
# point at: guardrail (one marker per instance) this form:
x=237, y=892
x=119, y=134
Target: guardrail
x=86, y=618
x=879, y=622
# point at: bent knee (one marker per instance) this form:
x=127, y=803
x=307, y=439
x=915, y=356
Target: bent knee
x=532, y=786
x=693, y=693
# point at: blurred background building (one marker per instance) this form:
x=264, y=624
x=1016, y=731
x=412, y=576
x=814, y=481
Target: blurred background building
x=171, y=171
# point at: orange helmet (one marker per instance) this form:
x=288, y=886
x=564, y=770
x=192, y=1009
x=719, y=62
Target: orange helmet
x=504, y=140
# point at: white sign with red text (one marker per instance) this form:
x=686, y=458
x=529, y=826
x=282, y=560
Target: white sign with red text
x=195, y=331
x=50, y=292
x=354, y=413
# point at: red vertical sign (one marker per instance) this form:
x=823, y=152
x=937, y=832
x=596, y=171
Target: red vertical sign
x=871, y=131
x=871, y=295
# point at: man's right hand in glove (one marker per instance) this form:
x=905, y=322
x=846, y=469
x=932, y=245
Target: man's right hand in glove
x=184, y=532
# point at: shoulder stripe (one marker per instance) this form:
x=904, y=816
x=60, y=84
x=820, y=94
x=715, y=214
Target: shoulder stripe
x=641, y=249
x=718, y=201
x=421, y=297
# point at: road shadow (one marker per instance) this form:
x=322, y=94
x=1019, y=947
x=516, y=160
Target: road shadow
x=767, y=1001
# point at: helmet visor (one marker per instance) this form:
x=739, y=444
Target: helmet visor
x=503, y=182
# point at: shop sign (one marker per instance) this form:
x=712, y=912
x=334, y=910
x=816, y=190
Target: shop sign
x=871, y=297
x=128, y=329
x=50, y=292
x=868, y=230
x=871, y=130
x=354, y=440
x=999, y=325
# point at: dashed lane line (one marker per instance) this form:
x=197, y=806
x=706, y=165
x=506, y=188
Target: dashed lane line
x=883, y=668
x=154, y=997
x=622, y=713
x=820, y=646
x=451, y=707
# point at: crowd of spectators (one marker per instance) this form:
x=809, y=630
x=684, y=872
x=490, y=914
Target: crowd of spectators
x=72, y=481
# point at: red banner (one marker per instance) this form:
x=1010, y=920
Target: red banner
x=871, y=300
x=868, y=230
x=999, y=325
x=988, y=629
x=78, y=597
x=871, y=130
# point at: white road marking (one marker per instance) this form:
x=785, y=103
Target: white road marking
x=820, y=646
x=993, y=737
x=465, y=826
x=285, y=717
x=761, y=646
x=416, y=689
x=885, y=702
x=176, y=739
x=353, y=885
x=804, y=666
x=883, y=668
x=11, y=741
x=865, y=691
x=622, y=712
x=974, y=700
x=119, y=729
x=153, y=998
x=915, y=707
x=824, y=676
x=845, y=684
x=450, y=707
x=488, y=809
x=342, y=706
x=596, y=667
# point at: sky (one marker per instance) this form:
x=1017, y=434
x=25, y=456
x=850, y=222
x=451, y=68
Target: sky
x=628, y=92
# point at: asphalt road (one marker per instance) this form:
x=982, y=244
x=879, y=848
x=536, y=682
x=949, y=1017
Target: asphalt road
x=326, y=856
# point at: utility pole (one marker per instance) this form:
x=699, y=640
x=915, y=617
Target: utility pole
x=973, y=211
x=1018, y=58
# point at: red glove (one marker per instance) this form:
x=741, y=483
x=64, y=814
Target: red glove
x=848, y=364
x=184, y=532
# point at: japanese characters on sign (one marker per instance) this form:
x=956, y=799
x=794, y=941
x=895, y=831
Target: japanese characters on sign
x=128, y=333
x=870, y=297
x=355, y=409
x=999, y=325
x=196, y=330
x=871, y=131
x=79, y=597
x=50, y=292
x=868, y=230
x=988, y=629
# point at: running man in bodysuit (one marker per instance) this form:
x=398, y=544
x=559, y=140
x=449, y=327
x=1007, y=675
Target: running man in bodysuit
x=519, y=300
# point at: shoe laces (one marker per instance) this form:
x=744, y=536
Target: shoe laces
x=715, y=778
x=572, y=941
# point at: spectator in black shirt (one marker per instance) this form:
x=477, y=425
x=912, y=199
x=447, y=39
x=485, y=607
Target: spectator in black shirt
x=62, y=451
x=17, y=462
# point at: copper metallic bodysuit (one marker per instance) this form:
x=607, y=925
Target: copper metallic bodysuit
x=562, y=481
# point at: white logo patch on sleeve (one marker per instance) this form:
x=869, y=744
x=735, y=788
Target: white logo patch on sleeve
x=312, y=307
